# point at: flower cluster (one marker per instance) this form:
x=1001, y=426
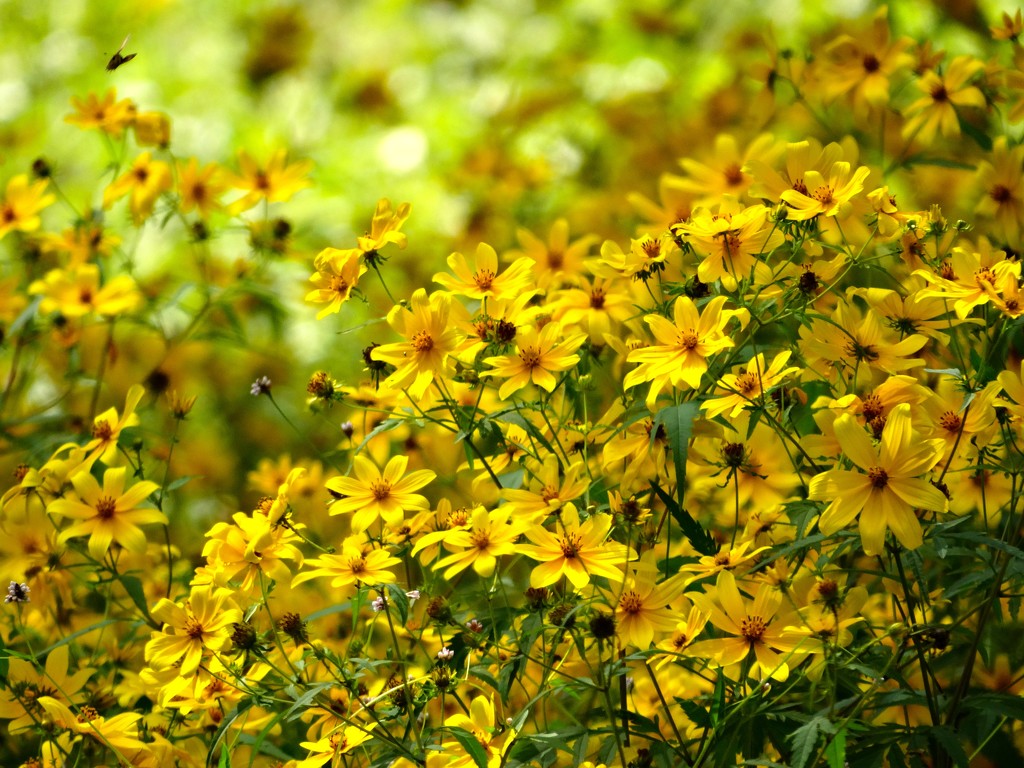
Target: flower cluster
x=738, y=483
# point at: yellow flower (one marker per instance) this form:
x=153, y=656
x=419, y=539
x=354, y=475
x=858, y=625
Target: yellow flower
x=482, y=282
x=119, y=732
x=146, y=180
x=730, y=242
x=355, y=564
x=247, y=549
x=200, y=188
x=538, y=357
x=372, y=494
x=76, y=292
x=489, y=536
x=755, y=628
x=337, y=273
x=339, y=743
x=556, y=261
x=860, y=67
x=1001, y=182
x=685, y=345
x=936, y=111
x=384, y=228
x=969, y=278
x=647, y=256
x=597, y=307
x=107, y=427
x=642, y=609
x=25, y=685
x=201, y=623
x=274, y=182
x=888, y=486
x=548, y=492
x=829, y=196
x=748, y=388
x=20, y=207
x=683, y=636
x=480, y=723
x=152, y=129
x=107, y=114
x=108, y=514
x=725, y=173
x=423, y=357
x=579, y=552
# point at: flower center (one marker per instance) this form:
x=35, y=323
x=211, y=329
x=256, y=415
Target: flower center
x=753, y=628
x=422, y=342
x=631, y=603
x=1000, y=194
x=570, y=545
x=481, y=539
x=733, y=175
x=530, y=356
x=688, y=340
x=879, y=477
x=871, y=63
x=484, y=279
x=105, y=507
x=746, y=383
x=381, y=489
x=950, y=422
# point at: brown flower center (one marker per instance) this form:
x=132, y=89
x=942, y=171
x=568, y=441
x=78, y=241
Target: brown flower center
x=879, y=477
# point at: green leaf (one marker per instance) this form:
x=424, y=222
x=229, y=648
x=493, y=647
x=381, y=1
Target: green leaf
x=835, y=752
x=692, y=530
x=952, y=745
x=678, y=423
x=133, y=586
x=805, y=739
x=471, y=745
x=979, y=136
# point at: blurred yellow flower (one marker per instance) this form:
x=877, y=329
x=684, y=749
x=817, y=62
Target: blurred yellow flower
x=21, y=204
x=107, y=114
x=145, y=181
x=274, y=182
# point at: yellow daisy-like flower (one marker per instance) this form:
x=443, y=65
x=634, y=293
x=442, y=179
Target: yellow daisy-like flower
x=754, y=628
x=935, y=112
x=76, y=292
x=385, y=226
x=886, y=486
x=21, y=204
x=201, y=188
x=681, y=357
x=201, y=623
x=748, y=388
x=642, y=610
x=730, y=241
x=274, y=182
x=548, y=492
x=337, y=273
x=482, y=281
x=489, y=536
x=829, y=196
x=481, y=724
x=25, y=684
x=145, y=181
x=339, y=743
x=372, y=494
x=107, y=114
x=539, y=355
x=423, y=356
x=108, y=514
x=579, y=552
x=558, y=260
x=119, y=732
x=355, y=564
x=107, y=427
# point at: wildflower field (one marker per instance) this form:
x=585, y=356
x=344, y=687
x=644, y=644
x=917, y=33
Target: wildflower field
x=480, y=383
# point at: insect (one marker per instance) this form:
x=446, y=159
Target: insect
x=117, y=59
